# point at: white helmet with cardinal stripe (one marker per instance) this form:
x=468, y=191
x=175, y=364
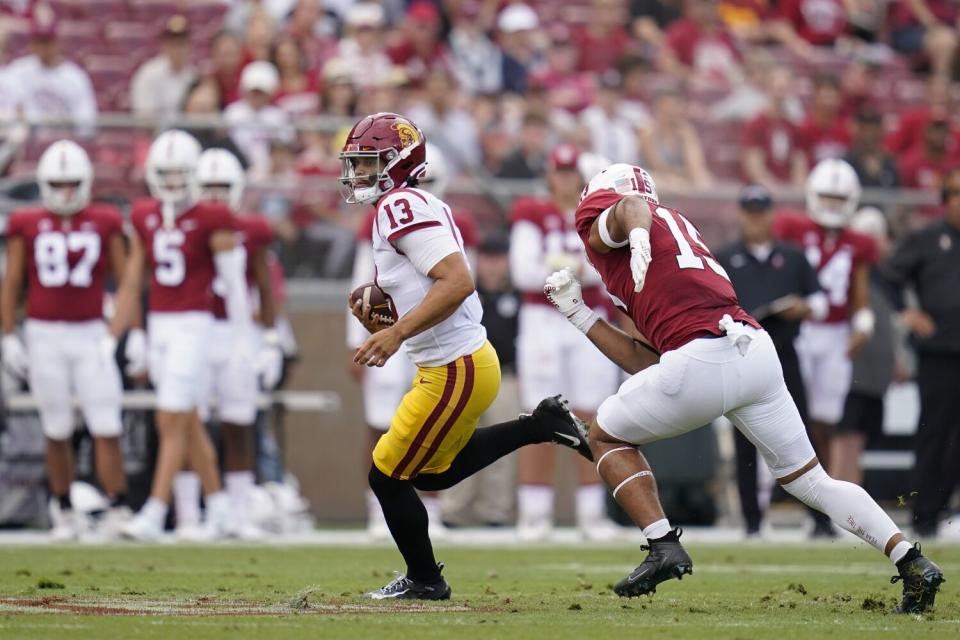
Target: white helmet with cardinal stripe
x=220, y=178
x=625, y=179
x=65, y=176
x=171, y=167
x=833, y=193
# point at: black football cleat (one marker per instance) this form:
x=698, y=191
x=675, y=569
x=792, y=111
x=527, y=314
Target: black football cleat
x=667, y=559
x=921, y=582
x=560, y=426
x=403, y=588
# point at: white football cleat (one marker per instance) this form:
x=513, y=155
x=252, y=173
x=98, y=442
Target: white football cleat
x=143, y=528
x=110, y=526
x=68, y=526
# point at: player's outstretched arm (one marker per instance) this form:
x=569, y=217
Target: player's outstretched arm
x=452, y=284
x=631, y=355
x=12, y=284
x=627, y=222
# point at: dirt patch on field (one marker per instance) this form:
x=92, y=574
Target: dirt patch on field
x=83, y=606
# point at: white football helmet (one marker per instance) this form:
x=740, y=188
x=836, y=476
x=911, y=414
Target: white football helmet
x=835, y=180
x=625, y=179
x=220, y=178
x=171, y=167
x=65, y=176
x=435, y=178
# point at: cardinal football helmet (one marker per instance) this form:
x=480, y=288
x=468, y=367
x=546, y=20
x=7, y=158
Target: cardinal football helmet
x=399, y=148
x=220, y=178
x=65, y=176
x=833, y=193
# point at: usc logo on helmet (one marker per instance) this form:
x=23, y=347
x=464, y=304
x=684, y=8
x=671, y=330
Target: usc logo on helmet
x=408, y=135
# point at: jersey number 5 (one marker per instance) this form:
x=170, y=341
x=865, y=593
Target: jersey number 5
x=51, y=252
x=406, y=213
x=687, y=259
x=171, y=266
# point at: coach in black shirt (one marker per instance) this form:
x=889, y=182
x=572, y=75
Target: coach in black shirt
x=929, y=261
x=777, y=285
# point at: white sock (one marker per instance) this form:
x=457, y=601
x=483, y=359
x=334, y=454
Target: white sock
x=848, y=505
x=591, y=504
x=656, y=530
x=900, y=550
x=239, y=485
x=434, y=513
x=534, y=503
x=186, y=498
x=155, y=510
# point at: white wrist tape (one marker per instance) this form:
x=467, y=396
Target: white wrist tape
x=863, y=321
x=605, y=232
x=583, y=318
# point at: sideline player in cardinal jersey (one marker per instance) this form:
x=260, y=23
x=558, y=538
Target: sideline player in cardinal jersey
x=433, y=441
x=183, y=244
x=714, y=360
x=384, y=387
x=552, y=356
x=63, y=252
x=235, y=376
x=842, y=258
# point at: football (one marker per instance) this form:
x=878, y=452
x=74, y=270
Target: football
x=381, y=307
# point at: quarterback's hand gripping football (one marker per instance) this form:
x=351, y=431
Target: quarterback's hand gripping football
x=135, y=353
x=14, y=356
x=363, y=313
x=564, y=291
x=640, y=256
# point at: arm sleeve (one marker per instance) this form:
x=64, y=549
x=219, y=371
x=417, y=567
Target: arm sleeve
x=527, y=268
x=427, y=246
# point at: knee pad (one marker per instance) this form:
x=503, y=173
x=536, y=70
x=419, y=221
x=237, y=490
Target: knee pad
x=807, y=487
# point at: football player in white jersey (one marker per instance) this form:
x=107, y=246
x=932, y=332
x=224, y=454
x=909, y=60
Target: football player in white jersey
x=384, y=387
x=432, y=442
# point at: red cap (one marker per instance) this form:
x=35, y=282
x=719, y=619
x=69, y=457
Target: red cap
x=423, y=12
x=44, y=23
x=564, y=157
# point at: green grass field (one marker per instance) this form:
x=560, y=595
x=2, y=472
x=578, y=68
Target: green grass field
x=840, y=591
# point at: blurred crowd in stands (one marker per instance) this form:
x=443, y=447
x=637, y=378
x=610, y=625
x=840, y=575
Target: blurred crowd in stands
x=703, y=93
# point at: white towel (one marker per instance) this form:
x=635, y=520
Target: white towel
x=736, y=333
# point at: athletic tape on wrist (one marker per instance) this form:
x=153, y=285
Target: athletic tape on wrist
x=583, y=318
x=613, y=451
x=639, y=474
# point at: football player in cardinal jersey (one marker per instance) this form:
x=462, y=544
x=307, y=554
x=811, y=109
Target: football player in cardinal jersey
x=234, y=378
x=384, y=387
x=842, y=258
x=420, y=262
x=183, y=245
x=63, y=251
x=552, y=356
x=714, y=359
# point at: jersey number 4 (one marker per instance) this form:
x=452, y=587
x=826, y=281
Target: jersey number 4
x=171, y=265
x=687, y=259
x=52, y=254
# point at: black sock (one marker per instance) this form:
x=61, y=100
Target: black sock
x=486, y=446
x=407, y=519
x=912, y=554
x=64, y=502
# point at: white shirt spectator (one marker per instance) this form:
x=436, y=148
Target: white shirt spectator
x=373, y=67
x=254, y=130
x=62, y=91
x=157, y=91
x=453, y=131
x=615, y=135
x=477, y=62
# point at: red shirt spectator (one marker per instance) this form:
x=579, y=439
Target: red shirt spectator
x=925, y=166
x=778, y=140
x=825, y=133
x=603, y=41
x=913, y=122
x=299, y=91
x=819, y=22
x=701, y=42
x=420, y=49
x=900, y=15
